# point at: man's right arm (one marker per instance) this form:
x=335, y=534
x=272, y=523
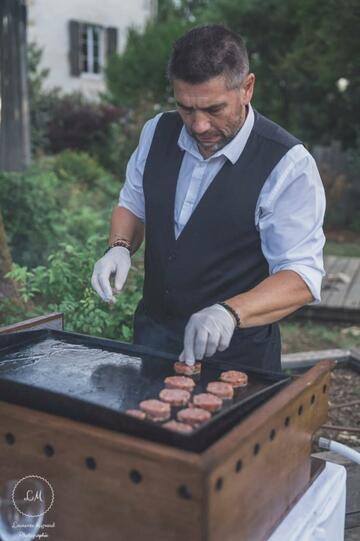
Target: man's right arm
x=126, y=226
x=131, y=197
x=127, y=221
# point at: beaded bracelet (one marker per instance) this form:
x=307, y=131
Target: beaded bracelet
x=120, y=242
x=232, y=311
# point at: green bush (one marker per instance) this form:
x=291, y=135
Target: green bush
x=123, y=139
x=353, y=171
x=83, y=170
x=56, y=216
x=30, y=212
x=340, y=173
x=64, y=286
x=66, y=198
x=80, y=124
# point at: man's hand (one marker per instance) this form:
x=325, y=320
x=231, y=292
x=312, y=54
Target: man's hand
x=206, y=332
x=117, y=260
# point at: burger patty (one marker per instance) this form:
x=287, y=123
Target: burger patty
x=179, y=382
x=178, y=427
x=220, y=389
x=136, y=413
x=175, y=397
x=193, y=416
x=234, y=377
x=207, y=401
x=155, y=409
x=187, y=370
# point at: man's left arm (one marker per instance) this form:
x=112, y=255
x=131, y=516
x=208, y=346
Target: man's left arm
x=274, y=298
x=289, y=216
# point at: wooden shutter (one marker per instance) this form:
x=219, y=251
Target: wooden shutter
x=111, y=41
x=74, y=54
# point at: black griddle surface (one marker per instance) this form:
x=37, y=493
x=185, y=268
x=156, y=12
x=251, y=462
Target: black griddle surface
x=95, y=380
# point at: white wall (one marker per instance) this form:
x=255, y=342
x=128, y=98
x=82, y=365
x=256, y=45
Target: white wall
x=48, y=22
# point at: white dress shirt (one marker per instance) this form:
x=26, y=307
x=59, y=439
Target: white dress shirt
x=289, y=212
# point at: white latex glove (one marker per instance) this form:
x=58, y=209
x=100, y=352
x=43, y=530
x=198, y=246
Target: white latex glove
x=206, y=332
x=118, y=261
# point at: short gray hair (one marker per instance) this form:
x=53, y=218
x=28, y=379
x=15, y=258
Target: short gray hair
x=206, y=52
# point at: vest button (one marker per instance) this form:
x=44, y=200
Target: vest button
x=171, y=257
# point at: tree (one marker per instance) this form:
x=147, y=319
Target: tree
x=14, y=117
x=14, y=121
x=139, y=73
x=299, y=49
x=185, y=9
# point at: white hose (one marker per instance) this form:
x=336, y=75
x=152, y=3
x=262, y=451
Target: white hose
x=340, y=449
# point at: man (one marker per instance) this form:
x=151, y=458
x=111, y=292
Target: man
x=233, y=207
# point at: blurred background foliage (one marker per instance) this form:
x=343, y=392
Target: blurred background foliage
x=56, y=214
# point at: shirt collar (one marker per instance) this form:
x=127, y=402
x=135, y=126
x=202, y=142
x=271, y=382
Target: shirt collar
x=231, y=151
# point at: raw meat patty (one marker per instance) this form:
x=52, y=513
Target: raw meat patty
x=178, y=427
x=175, y=397
x=186, y=370
x=193, y=416
x=234, y=377
x=207, y=401
x=136, y=413
x=155, y=409
x=220, y=389
x=179, y=382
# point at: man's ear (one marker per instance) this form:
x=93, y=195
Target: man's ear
x=247, y=88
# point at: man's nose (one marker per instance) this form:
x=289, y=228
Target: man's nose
x=200, y=123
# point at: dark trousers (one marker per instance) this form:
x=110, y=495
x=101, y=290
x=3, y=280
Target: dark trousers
x=257, y=347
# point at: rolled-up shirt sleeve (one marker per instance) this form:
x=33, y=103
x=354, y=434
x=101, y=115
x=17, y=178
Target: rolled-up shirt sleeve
x=289, y=216
x=131, y=195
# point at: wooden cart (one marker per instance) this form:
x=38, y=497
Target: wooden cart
x=111, y=486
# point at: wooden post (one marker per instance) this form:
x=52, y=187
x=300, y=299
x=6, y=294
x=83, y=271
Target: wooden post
x=14, y=116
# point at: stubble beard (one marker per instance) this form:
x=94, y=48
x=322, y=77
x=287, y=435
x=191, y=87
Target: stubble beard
x=212, y=148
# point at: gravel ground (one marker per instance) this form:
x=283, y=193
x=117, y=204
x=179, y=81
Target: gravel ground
x=344, y=388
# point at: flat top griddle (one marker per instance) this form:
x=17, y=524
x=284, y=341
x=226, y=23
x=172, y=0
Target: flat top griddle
x=95, y=380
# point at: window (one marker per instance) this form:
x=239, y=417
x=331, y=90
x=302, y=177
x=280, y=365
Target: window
x=90, y=48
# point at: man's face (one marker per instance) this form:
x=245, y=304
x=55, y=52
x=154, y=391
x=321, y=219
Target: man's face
x=211, y=113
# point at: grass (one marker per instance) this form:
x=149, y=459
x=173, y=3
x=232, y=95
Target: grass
x=312, y=336
x=345, y=249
